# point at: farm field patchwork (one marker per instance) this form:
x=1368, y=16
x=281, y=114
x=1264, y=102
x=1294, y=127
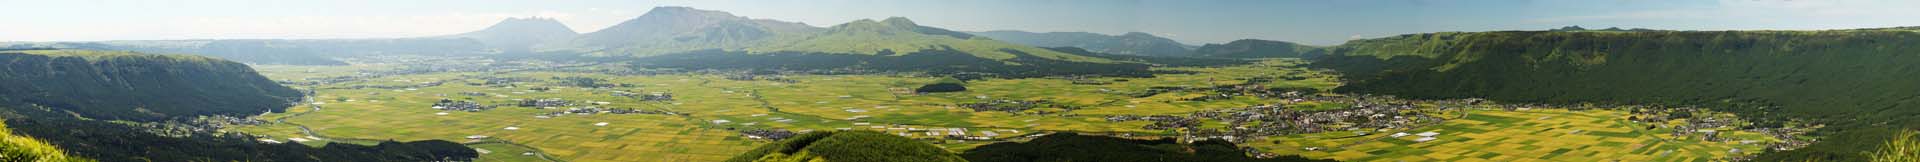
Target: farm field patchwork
x=1522, y=135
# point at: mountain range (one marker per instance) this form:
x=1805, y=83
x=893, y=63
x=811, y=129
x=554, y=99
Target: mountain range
x=696, y=39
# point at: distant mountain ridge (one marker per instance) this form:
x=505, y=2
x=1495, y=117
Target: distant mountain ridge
x=1255, y=48
x=1131, y=43
x=520, y=34
x=676, y=29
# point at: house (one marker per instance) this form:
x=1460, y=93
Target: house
x=1424, y=139
x=1427, y=134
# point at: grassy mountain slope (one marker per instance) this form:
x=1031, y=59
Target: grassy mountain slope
x=1255, y=48
x=847, y=146
x=135, y=86
x=1131, y=43
x=21, y=148
x=1858, y=82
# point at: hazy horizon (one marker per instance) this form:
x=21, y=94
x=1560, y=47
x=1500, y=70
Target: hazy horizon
x=1195, y=23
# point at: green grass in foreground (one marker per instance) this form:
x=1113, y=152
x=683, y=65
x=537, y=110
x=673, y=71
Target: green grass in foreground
x=23, y=149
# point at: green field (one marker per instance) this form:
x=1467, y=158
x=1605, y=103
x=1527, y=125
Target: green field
x=814, y=102
x=885, y=103
x=1525, y=135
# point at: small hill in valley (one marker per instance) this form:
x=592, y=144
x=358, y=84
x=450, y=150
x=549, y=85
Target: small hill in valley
x=1076, y=147
x=847, y=146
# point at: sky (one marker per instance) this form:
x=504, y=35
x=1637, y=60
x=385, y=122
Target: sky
x=1315, y=22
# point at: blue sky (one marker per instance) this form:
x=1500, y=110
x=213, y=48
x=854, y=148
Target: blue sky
x=1318, y=22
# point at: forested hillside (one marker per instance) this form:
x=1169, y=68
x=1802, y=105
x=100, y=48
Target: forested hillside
x=87, y=101
x=1857, y=82
x=1076, y=147
x=135, y=86
x=110, y=141
x=852, y=146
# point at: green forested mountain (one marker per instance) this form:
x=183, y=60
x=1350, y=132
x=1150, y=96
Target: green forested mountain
x=136, y=86
x=520, y=34
x=1131, y=43
x=847, y=146
x=1857, y=82
x=1255, y=48
x=83, y=101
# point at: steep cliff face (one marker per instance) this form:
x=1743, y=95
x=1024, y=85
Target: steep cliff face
x=135, y=86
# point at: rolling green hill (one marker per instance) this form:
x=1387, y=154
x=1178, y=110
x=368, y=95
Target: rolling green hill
x=134, y=86
x=1856, y=82
x=847, y=146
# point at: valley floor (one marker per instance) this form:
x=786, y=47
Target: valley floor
x=708, y=112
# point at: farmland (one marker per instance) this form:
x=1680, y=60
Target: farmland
x=707, y=112
x=1528, y=135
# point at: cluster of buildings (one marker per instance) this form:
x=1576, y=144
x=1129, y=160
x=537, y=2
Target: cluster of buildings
x=544, y=103
x=462, y=105
x=655, y=96
x=753, y=77
x=477, y=94
x=506, y=80
x=1364, y=115
x=773, y=134
x=1160, y=122
x=1015, y=106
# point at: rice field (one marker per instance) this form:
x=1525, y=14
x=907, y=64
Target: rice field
x=716, y=108
x=1526, y=135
